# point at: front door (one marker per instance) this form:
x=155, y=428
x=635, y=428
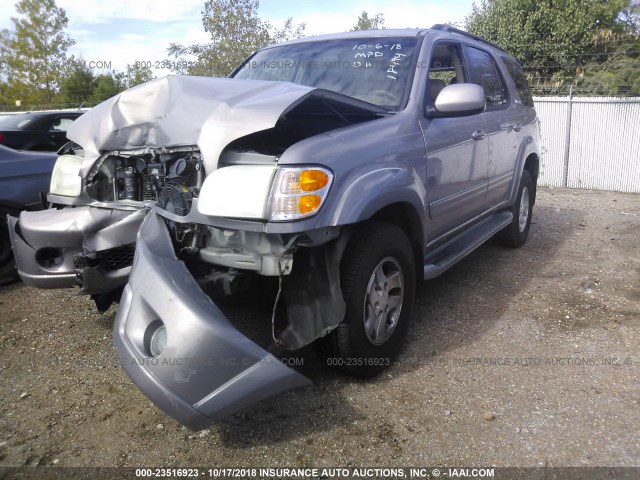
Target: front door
x=457, y=150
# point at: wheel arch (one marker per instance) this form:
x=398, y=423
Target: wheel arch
x=404, y=216
x=532, y=165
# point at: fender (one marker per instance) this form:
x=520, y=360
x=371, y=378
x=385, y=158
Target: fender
x=527, y=147
x=371, y=192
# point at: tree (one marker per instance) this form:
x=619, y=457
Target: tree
x=366, y=23
x=138, y=73
x=36, y=50
x=559, y=41
x=236, y=32
x=77, y=87
x=106, y=86
x=4, y=100
x=631, y=16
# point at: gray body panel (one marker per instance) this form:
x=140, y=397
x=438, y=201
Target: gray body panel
x=208, y=369
x=456, y=184
x=71, y=232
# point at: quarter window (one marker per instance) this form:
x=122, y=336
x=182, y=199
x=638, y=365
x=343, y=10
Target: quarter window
x=515, y=70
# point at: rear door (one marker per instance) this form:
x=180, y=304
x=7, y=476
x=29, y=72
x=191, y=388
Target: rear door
x=501, y=121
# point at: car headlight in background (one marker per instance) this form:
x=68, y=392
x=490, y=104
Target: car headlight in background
x=65, y=178
x=298, y=192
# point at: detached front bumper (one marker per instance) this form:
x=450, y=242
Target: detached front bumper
x=84, y=246
x=208, y=369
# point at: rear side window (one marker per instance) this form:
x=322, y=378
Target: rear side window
x=515, y=70
x=483, y=72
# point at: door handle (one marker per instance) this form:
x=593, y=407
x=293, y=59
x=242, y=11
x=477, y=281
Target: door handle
x=479, y=134
x=517, y=127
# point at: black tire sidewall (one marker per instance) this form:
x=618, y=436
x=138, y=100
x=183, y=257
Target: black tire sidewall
x=511, y=236
x=375, y=243
x=525, y=182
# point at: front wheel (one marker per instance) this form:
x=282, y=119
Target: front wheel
x=515, y=234
x=378, y=285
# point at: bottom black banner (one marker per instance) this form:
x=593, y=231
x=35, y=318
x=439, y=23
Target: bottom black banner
x=337, y=473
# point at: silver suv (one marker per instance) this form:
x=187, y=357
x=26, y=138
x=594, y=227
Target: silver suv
x=346, y=166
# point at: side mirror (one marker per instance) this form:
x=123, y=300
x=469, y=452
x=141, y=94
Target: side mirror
x=458, y=100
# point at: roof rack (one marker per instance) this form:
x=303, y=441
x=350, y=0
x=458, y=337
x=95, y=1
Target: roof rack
x=449, y=28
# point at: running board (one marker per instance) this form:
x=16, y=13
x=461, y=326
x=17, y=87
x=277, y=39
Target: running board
x=444, y=257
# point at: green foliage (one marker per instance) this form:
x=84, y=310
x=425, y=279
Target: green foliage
x=106, y=86
x=82, y=87
x=78, y=85
x=366, y=23
x=619, y=74
x=35, y=51
x=138, y=73
x=236, y=32
x=4, y=100
x=563, y=42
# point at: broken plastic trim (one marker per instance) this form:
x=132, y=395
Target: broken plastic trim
x=208, y=369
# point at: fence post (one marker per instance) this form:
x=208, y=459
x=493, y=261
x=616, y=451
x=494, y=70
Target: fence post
x=567, y=140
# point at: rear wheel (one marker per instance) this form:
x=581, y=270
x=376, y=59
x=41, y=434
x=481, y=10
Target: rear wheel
x=8, y=271
x=378, y=285
x=515, y=234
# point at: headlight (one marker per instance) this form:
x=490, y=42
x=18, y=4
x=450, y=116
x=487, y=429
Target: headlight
x=237, y=191
x=298, y=192
x=65, y=178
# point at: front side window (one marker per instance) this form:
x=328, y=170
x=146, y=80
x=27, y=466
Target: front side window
x=446, y=67
x=376, y=70
x=483, y=72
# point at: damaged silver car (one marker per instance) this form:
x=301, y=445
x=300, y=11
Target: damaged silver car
x=344, y=166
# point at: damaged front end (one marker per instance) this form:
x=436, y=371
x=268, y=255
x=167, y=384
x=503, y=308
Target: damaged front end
x=203, y=369
x=90, y=247
x=89, y=241
x=188, y=169
x=177, y=345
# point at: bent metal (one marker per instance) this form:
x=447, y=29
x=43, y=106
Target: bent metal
x=339, y=187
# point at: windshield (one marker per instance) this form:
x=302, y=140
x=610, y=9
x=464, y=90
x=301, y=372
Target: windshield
x=376, y=70
x=17, y=121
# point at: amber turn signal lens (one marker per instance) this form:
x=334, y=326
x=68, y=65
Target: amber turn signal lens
x=308, y=203
x=312, y=180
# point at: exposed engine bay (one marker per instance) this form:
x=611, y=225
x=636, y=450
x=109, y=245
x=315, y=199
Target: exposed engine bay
x=169, y=177
x=133, y=172
x=223, y=261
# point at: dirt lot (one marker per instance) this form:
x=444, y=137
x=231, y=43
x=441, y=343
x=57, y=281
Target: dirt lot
x=545, y=339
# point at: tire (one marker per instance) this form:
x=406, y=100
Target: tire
x=8, y=270
x=515, y=234
x=376, y=254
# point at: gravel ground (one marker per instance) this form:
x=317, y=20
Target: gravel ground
x=524, y=357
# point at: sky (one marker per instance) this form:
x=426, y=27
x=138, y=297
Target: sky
x=119, y=32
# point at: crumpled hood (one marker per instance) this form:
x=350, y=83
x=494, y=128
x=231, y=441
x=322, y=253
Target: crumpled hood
x=183, y=110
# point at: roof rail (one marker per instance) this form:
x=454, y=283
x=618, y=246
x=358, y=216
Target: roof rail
x=449, y=28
